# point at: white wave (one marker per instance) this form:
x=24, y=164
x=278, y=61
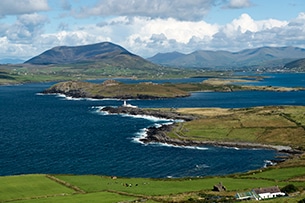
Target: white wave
x=143, y=134
x=98, y=110
x=140, y=135
x=60, y=95
x=268, y=163
x=181, y=147
x=77, y=99
x=73, y=98
x=200, y=166
x=226, y=147
x=151, y=118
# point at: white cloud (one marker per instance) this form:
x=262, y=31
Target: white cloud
x=182, y=10
x=246, y=24
x=9, y=7
x=26, y=28
x=171, y=29
x=146, y=36
x=237, y=4
x=151, y=36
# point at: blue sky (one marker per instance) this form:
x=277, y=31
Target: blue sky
x=146, y=27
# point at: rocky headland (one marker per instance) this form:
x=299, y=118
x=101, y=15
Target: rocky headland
x=159, y=134
x=148, y=112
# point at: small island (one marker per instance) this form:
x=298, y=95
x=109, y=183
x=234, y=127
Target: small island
x=117, y=90
x=149, y=90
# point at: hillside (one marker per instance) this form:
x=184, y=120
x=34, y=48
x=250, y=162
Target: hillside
x=263, y=56
x=74, y=54
x=106, y=52
x=101, y=60
x=297, y=64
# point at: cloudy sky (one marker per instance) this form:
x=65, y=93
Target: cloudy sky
x=146, y=27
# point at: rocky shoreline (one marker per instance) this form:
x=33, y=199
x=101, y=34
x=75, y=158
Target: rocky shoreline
x=158, y=134
x=146, y=112
x=155, y=134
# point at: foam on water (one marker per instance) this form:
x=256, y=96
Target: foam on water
x=147, y=117
x=181, y=147
x=78, y=99
x=143, y=134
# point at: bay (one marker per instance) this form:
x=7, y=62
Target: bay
x=51, y=134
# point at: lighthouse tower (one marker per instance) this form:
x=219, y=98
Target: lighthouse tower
x=128, y=105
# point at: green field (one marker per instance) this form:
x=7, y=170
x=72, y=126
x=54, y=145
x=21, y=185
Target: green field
x=272, y=125
x=93, y=188
x=30, y=186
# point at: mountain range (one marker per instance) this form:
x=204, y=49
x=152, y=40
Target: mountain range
x=107, y=54
x=258, y=57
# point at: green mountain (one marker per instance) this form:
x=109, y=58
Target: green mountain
x=94, y=61
x=76, y=54
x=263, y=56
x=106, y=52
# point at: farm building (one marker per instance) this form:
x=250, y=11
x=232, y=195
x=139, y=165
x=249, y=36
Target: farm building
x=219, y=187
x=270, y=192
x=247, y=196
x=260, y=193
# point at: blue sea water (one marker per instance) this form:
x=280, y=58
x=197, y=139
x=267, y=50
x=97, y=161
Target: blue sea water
x=52, y=134
x=279, y=79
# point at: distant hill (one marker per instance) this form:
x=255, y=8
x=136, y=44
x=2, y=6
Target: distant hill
x=105, y=53
x=297, y=64
x=263, y=56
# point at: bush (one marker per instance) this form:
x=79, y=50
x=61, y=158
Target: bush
x=302, y=201
x=289, y=188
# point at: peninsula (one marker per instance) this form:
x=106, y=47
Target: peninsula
x=278, y=127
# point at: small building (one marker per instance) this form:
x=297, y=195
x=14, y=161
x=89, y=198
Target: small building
x=261, y=193
x=270, y=192
x=219, y=187
x=247, y=196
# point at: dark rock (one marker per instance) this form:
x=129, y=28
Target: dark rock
x=148, y=112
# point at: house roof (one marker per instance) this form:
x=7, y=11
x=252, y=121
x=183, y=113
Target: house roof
x=274, y=189
x=247, y=195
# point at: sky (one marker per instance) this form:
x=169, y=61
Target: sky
x=148, y=27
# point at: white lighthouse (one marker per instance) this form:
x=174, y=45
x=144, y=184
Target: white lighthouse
x=128, y=105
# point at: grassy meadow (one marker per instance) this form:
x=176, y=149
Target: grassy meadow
x=93, y=188
x=271, y=125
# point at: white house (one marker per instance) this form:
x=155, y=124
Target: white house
x=261, y=193
x=270, y=192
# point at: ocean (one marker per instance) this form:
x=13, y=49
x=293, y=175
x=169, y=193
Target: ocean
x=51, y=134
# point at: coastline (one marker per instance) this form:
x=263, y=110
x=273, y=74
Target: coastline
x=158, y=134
